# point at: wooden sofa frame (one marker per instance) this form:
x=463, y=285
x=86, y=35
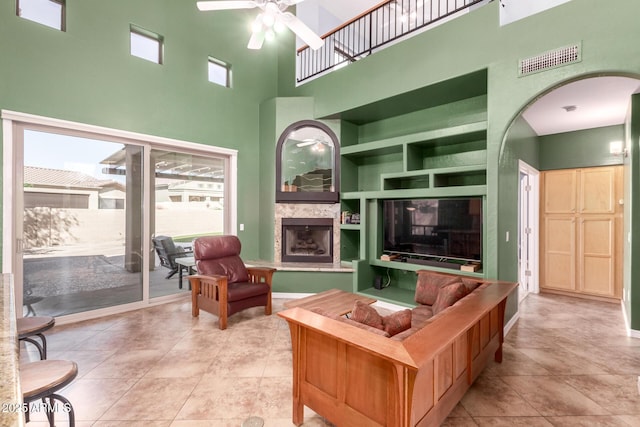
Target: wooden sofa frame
x=354, y=377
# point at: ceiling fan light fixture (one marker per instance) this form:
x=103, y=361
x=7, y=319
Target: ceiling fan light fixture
x=269, y=35
x=272, y=19
x=268, y=19
x=279, y=27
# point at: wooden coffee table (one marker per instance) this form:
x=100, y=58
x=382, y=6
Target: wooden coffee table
x=334, y=301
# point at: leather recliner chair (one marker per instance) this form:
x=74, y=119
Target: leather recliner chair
x=224, y=285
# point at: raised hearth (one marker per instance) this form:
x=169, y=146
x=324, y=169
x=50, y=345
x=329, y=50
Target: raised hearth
x=328, y=212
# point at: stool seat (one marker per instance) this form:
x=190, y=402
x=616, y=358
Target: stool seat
x=42, y=379
x=35, y=326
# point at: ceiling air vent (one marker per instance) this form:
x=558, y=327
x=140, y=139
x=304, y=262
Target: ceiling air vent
x=552, y=59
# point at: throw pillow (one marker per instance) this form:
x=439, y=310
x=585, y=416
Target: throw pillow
x=428, y=285
x=471, y=284
x=397, y=322
x=366, y=314
x=448, y=295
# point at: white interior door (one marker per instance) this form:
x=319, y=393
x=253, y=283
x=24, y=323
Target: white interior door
x=528, y=230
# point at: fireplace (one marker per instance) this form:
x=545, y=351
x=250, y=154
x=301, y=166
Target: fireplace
x=307, y=240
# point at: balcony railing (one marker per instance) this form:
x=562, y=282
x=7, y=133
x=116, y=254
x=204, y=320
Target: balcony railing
x=372, y=30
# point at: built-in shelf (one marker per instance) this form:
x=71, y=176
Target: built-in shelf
x=468, y=190
x=443, y=155
x=433, y=178
x=350, y=227
x=448, y=135
x=415, y=267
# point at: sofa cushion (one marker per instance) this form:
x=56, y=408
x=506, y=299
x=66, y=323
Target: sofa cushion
x=366, y=314
x=428, y=285
x=420, y=314
x=470, y=283
x=448, y=295
x=397, y=322
x=363, y=326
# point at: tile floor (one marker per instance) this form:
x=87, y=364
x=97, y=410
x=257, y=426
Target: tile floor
x=567, y=362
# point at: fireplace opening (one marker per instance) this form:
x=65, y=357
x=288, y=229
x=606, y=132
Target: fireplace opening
x=307, y=240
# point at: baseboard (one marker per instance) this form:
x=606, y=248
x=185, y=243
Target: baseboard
x=630, y=332
x=291, y=295
x=510, y=324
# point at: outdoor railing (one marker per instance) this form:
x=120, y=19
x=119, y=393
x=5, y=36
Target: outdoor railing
x=373, y=29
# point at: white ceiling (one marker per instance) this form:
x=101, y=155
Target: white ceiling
x=345, y=9
x=599, y=101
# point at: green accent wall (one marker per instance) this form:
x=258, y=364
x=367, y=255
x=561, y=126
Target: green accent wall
x=580, y=149
x=521, y=143
x=440, y=54
x=311, y=282
x=87, y=75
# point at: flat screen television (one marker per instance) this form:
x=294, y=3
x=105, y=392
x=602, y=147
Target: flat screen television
x=441, y=228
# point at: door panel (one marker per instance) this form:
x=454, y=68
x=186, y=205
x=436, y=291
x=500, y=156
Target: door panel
x=597, y=191
x=597, y=255
x=189, y=200
x=81, y=225
x=560, y=192
x=559, y=257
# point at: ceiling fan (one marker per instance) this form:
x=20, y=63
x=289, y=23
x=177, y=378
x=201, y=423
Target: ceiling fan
x=273, y=18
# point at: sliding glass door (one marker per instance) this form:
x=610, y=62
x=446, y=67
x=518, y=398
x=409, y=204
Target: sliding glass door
x=82, y=224
x=188, y=197
x=101, y=220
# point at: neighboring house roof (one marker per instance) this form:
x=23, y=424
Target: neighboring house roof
x=45, y=177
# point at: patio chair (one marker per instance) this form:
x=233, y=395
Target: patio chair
x=224, y=285
x=168, y=252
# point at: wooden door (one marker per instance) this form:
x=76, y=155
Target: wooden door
x=558, y=235
x=581, y=220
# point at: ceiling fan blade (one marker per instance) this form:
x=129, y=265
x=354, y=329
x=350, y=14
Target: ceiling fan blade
x=225, y=5
x=256, y=40
x=302, y=31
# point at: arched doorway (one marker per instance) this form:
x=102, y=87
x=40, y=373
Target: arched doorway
x=565, y=127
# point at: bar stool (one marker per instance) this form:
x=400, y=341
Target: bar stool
x=34, y=327
x=42, y=379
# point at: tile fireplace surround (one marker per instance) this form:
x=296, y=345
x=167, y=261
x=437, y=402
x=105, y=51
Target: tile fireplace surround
x=307, y=210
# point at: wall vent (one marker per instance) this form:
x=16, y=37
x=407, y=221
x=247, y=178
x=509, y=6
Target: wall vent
x=551, y=59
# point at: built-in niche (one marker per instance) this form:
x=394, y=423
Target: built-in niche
x=307, y=164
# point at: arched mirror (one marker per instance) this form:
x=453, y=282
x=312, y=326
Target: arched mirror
x=307, y=164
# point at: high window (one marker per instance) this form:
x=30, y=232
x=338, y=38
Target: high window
x=146, y=45
x=219, y=72
x=46, y=12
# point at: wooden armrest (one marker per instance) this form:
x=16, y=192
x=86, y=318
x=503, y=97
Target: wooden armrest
x=214, y=279
x=261, y=274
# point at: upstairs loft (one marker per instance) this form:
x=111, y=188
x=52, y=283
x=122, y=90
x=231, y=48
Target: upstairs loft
x=390, y=22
